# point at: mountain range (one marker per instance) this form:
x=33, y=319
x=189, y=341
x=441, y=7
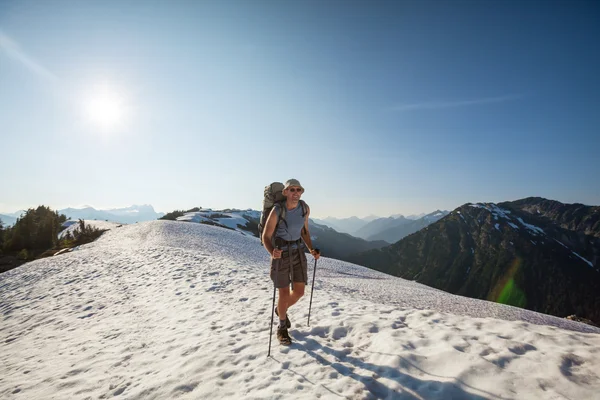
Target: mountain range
x=390, y=229
x=533, y=253
x=344, y=225
x=393, y=229
x=126, y=215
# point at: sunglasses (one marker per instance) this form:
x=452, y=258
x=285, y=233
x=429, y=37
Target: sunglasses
x=294, y=190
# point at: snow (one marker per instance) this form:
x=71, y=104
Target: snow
x=561, y=243
x=233, y=219
x=194, y=217
x=68, y=223
x=494, y=209
x=536, y=230
x=73, y=225
x=587, y=261
x=512, y=225
x=497, y=226
x=165, y=309
x=436, y=216
x=233, y=222
x=584, y=259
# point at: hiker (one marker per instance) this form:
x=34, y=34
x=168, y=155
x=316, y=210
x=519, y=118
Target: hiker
x=288, y=260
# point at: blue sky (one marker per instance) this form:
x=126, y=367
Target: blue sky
x=376, y=107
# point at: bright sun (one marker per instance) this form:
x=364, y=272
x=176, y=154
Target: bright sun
x=105, y=107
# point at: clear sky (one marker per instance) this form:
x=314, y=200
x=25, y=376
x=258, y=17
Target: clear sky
x=376, y=107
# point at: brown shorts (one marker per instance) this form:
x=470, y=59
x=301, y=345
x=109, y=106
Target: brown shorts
x=285, y=270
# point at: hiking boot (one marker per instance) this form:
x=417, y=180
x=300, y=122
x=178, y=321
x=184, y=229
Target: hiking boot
x=283, y=337
x=288, y=324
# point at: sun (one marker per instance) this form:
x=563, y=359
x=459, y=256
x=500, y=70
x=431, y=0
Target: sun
x=105, y=107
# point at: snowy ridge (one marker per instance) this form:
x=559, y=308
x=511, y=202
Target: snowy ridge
x=71, y=226
x=162, y=309
x=234, y=219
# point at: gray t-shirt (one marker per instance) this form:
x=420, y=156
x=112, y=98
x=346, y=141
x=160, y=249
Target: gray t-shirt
x=295, y=221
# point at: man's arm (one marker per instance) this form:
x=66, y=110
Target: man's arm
x=305, y=233
x=270, y=230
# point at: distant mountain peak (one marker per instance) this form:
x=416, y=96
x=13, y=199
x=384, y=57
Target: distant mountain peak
x=130, y=214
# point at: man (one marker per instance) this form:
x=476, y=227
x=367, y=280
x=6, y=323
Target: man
x=288, y=261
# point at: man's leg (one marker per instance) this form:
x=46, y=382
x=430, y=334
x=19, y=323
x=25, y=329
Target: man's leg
x=288, y=298
x=282, y=304
x=296, y=294
x=282, y=332
x=299, y=267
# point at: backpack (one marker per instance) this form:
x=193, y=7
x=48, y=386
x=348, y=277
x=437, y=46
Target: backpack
x=274, y=195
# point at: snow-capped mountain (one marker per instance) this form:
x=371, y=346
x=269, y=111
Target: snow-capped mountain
x=7, y=220
x=415, y=216
x=16, y=214
x=161, y=310
x=435, y=216
x=127, y=215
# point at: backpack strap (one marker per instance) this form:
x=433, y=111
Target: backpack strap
x=304, y=208
x=304, y=212
x=281, y=211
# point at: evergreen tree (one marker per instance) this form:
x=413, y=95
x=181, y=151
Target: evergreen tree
x=35, y=231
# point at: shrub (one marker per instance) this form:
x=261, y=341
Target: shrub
x=23, y=255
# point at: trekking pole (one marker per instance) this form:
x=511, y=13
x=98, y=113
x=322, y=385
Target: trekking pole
x=273, y=308
x=313, y=288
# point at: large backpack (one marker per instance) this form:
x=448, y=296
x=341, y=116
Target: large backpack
x=274, y=195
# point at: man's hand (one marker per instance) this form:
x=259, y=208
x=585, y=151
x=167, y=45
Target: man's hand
x=276, y=253
x=316, y=254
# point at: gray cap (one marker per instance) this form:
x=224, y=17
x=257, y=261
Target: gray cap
x=293, y=182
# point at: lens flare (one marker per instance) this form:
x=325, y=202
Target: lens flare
x=506, y=290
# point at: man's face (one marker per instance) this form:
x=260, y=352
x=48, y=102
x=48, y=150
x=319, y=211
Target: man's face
x=294, y=193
